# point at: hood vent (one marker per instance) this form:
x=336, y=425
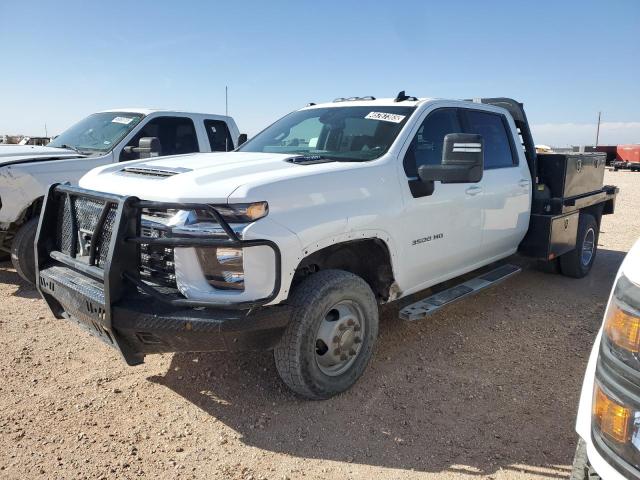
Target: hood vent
x=155, y=172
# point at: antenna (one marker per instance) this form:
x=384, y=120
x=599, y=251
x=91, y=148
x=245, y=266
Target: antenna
x=46, y=134
x=598, y=128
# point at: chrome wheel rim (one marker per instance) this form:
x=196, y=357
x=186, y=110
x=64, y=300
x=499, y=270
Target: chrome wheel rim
x=339, y=338
x=588, y=246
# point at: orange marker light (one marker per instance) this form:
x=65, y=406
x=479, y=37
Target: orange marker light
x=613, y=419
x=623, y=329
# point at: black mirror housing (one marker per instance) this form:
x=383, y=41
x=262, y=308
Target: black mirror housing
x=149, y=147
x=462, y=160
x=241, y=139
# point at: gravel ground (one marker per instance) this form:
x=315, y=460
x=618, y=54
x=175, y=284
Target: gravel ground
x=487, y=388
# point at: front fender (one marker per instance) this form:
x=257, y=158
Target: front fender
x=18, y=190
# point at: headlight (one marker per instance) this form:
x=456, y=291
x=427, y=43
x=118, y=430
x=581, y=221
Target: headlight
x=222, y=267
x=616, y=393
x=622, y=322
x=203, y=223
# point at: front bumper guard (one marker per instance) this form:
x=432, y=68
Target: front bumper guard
x=113, y=301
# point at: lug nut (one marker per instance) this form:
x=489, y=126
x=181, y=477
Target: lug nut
x=352, y=352
x=356, y=328
x=357, y=340
x=336, y=339
x=350, y=322
x=336, y=352
x=342, y=327
x=343, y=357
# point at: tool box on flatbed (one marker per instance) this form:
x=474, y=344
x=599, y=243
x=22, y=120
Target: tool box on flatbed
x=567, y=183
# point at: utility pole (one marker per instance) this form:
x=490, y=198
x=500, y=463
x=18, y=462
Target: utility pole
x=226, y=113
x=46, y=134
x=598, y=129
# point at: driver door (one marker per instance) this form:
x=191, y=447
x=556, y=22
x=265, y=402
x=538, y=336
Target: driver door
x=442, y=230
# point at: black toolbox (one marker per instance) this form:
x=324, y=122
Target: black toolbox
x=571, y=174
x=567, y=182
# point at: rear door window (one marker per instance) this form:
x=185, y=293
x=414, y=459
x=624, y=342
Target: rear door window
x=219, y=136
x=498, y=152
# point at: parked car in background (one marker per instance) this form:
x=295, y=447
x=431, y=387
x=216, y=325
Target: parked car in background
x=102, y=138
x=34, y=141
x=608, y=422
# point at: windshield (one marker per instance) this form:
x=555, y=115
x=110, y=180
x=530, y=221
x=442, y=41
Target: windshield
x=99, y=132
x=340, y=133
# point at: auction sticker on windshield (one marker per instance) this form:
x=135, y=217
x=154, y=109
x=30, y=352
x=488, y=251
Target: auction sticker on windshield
x=385, y=117
x=123, y=120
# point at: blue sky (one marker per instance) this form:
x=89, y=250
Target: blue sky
x=566, y=60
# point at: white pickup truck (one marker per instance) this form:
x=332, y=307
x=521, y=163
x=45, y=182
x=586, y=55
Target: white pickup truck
x=292, y=241
x=102, y=138
x=608, y=420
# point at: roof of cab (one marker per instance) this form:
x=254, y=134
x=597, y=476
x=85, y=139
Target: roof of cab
x=148, y=111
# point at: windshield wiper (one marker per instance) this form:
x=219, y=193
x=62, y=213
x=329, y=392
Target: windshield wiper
x=70, y=147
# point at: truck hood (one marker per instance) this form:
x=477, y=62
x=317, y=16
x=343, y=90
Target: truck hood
x=202, y=177
x=14, y=154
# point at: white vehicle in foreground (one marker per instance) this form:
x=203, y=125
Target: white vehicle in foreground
x=291, y=241
x=609, y=414
x=102, y=138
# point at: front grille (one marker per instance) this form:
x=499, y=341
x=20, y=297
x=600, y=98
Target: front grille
x=156, y=264
x=85, y=213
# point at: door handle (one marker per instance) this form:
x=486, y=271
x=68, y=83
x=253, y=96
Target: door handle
x=473, y=191
x=524, y=183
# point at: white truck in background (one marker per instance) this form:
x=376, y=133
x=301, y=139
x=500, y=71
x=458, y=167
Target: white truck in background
x=102, y=138
x=608, y=422
x=291, y=241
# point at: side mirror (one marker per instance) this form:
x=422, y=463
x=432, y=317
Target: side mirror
x=147, y=147
x=242, y=138
x=462, y=160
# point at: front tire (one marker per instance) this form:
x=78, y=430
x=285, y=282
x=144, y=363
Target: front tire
x=330, y=339
x=578, y=262
x=22, y=251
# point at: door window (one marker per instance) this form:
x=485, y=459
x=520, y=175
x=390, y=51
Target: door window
x=426, y=146
x=219, y=136
x=497, y=146
x=177, y=135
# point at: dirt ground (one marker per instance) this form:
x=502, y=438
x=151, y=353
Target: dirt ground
x=487, y=388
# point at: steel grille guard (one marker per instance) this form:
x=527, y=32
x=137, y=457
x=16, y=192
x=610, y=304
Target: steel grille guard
x=121, y=267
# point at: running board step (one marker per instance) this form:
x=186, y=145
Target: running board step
x=425, y=307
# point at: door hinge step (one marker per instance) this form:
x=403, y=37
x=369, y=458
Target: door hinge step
x=426, y=306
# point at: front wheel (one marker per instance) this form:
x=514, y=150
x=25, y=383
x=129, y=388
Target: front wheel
x=578, y=262
x=22, y=251
x=329, y=341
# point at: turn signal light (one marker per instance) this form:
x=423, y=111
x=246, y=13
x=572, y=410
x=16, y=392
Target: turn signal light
x=612, y=418
x=623, y=328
